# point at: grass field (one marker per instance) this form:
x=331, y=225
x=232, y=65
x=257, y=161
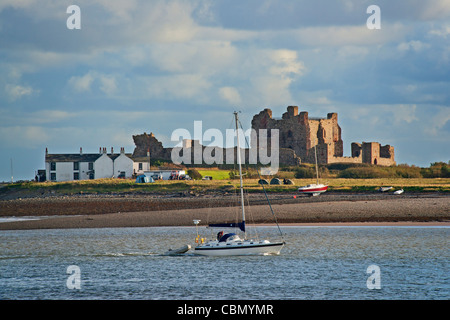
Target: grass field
x=215, y=174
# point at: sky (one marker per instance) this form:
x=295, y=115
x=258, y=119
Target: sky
x=156, y=66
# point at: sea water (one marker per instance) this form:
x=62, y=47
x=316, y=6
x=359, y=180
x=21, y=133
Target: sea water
x=316, y=263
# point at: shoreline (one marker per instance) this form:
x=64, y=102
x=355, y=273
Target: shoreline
x=325, y=210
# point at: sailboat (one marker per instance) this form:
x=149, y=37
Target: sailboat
x=231, y=244
x=317, y=188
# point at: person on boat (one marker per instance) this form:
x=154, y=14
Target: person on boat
x=228, y=237
x=219, y=235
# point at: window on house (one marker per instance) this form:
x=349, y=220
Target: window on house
x=53, y=176
x=76, y=166
x=91, y=166
x=140, y=166
x=53, y=166
x=76, y=176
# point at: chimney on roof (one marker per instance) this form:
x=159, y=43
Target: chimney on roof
x=112, y=150
x=122, y=150
x=81, y=150
x=46, y=151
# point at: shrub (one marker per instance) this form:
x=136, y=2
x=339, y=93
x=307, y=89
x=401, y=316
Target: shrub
x=339, y=166
x=304, y=172
x=363, y=173
x=437, y=170
x=194, y=174
x=402, y=171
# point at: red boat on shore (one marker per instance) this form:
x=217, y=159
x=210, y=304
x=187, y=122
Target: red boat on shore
x=317, y=188
x=313, y=189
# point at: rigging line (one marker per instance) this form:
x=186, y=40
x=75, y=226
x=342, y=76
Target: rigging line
x=265, y=193
x=250, y=212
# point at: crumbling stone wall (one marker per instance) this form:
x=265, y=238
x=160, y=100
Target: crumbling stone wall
x=147, y=142
x=374, y=153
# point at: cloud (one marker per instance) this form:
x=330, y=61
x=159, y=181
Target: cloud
x=16, y=4
x=82, y=83
x=435, y=9
x=443, y=31
x=206, y=57
x=107, y=83
x=351, y=35
x=231, y=95
x=122, y=10
x=353, y=52
x=403, y=113
x=16, y=92
x=21, y=124
x=437, y=122
x=286, y=64
x=179, y=86
x=413, y=45
x=26, y=136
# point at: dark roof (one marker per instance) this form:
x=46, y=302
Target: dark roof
x=76, y=157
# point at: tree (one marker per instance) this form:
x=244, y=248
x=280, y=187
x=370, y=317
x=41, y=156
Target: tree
x=194, y=174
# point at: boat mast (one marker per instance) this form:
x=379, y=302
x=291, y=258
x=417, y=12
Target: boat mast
x=317, y=170
x=240, y=169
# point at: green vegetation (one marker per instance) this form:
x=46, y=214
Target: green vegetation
x=194, y=174
x=305, y=172
x=367, y=171
x=437, y=170
x=216, y=174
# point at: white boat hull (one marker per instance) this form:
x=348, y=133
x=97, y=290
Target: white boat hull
x=313, y=189
x=247, y=247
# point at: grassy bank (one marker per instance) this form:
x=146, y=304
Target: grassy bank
x=124, y=186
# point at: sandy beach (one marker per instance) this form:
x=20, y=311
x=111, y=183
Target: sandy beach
x=175, y=210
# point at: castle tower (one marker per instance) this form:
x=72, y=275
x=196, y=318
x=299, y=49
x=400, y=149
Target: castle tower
x=300, y=133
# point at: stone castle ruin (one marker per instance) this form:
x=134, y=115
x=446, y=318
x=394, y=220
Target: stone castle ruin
x=301, y=134
x=298, y=136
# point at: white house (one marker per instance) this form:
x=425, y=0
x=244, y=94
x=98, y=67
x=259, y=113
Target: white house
x=140, y=165
x=122, y=165
x=67, y=167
